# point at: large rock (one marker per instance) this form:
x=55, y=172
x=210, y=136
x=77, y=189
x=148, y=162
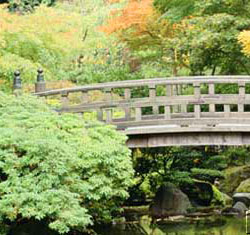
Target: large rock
x=233, y=178
x=244, y=187
x=240, y=207
x=169, y=200
x=242, y=197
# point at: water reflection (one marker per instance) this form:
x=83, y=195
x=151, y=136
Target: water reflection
x=211, y=226
x=208, y=226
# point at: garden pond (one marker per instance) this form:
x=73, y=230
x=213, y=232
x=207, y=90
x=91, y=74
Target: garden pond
x=189, y=226
x=205, y=226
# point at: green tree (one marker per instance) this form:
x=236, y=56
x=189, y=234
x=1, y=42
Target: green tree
x=58, y=168
x=27, y=5
x=209, y=40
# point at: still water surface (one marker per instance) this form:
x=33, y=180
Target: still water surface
x=214, y=226
x=206, y=226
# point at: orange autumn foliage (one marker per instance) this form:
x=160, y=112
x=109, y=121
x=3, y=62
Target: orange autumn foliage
x=134, y=15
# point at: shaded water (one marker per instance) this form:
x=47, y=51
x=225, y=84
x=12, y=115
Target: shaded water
x=206, y=226
x=209, y=226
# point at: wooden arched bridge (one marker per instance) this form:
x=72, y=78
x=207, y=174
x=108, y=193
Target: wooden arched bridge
x=211, y=110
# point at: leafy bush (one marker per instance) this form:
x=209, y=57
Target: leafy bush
x=58, y=168
x=237, y=156
x=28, y=5
x=206, y=174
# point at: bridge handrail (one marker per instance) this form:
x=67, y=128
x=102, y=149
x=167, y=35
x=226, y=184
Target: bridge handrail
x=150, y=82
x=210, y=108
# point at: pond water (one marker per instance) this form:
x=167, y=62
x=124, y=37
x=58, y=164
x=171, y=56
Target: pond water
x=206, y=226
x=209, y=226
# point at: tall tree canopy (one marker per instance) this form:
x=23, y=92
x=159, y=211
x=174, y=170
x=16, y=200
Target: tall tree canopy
x=211, y=42
x=200, y=36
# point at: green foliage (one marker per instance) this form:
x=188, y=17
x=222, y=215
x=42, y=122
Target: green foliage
x=218, y=197
x=59, y=168
x=237, y=156
x=206, y=174
x=209, y=38
x=175, y=10
x=28, y=5
x=43, y=39
x=181, y=166
x=218, y=162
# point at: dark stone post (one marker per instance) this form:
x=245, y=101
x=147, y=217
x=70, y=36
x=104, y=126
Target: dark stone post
x=40, y=85
x=17, y=83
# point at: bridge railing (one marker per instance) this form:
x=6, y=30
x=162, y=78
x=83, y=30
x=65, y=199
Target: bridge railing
x=181, y=101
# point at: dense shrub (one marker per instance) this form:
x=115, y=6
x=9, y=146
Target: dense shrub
x=28, y=5
x=206, y=174
x=58, y=168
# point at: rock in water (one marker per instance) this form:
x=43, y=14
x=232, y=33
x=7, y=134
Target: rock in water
x=169, y=200
x=240, y=207
x=242, y=197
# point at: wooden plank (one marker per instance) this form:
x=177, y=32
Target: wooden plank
x=109, y=115
x=161, y=129
x=183, y=108
x=99, y=115
x=168, y=90
x=160, y=101
x=184, y=122
x=189, y=139
x=227, y=110
x=167, y=112
x=65, y=99
x=241, y=98
x=127, y=110
x=108, y=94
x=138, y=114
x=197, y=94
x=85, y=97
x=211, y=92
x=174, y=90
x=152, y=96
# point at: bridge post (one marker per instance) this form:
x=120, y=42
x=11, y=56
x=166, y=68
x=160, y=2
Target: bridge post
x=242, y=92
x=174, y=91
x=152, y=96
x=85, y=97
x=227, y=110
x=197, y=93
x=138, y=114
x=211, y=93
x=167, y=112
x=127, y=96
x=167, y=108
x=64, y=99
x=40, y=85
x=17, y=83
x=108, y=98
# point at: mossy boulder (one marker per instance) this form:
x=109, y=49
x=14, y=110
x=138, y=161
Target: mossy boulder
x=233, y=178
x=169, y=200
x=244, y=187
